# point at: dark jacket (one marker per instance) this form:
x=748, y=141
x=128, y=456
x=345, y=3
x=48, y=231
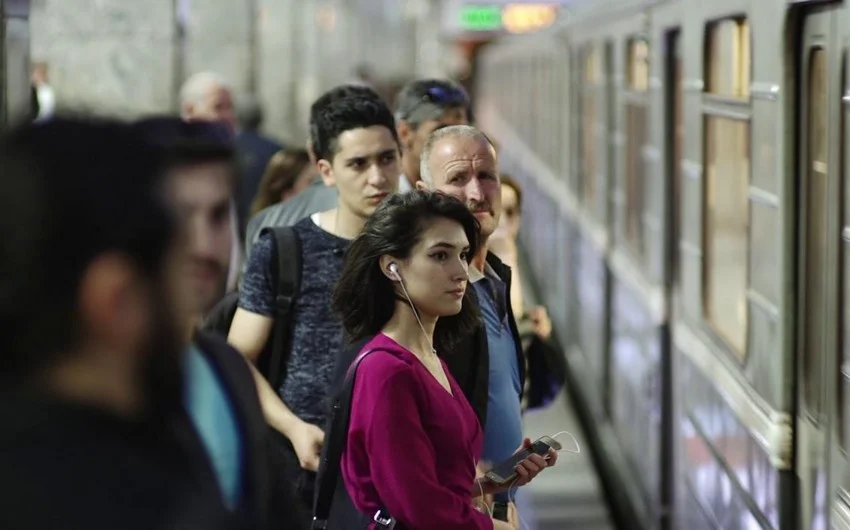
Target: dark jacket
x=77, y=466
x=469, y=361
x=265, y=499
x=255, y=151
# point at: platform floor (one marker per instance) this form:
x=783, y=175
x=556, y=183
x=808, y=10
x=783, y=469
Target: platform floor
x=569, y=496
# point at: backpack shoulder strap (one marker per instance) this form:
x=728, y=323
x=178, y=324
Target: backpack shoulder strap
x=287, y=279
x=335, y=442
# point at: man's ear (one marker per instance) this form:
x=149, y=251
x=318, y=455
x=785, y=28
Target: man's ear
x=186, y=111
x=421, y=185
x=406, y=135
x=327, y=172
x=113, y=304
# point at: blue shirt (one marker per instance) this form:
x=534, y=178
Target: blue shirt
x=213, y=415
x=503, y=429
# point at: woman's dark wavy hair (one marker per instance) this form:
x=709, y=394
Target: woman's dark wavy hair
x=365, y=297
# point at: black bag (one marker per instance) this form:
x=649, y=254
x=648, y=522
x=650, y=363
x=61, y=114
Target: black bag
x=272, y=360
x=333, y=508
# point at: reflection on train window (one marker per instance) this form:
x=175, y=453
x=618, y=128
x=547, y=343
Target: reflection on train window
x=635, y=139
x=589, y=118
x=816, y=242
x=638, y=66
x=727, y=171
x=637, y=75
x=729, y=59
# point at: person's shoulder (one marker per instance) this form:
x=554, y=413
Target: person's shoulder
x=383, y=356
x=257, y=219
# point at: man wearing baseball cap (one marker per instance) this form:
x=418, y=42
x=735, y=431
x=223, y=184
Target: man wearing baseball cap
x=422, y=107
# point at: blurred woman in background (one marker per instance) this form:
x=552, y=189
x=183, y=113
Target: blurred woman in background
x=288, y=173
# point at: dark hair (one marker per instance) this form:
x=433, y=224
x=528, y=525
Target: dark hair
x=344, y=115
x=335, y=94
x=424, y=99
x=190, y=143
x=73, y=189
x=510, y=182
x=280, y=176
x=365, y=298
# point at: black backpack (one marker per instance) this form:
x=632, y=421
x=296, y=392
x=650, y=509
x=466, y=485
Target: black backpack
x=272, y=361
x=333, y=508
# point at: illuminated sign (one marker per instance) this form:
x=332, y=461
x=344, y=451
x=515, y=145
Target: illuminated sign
x=521, y=18
x=513, y=18
x=481, y=17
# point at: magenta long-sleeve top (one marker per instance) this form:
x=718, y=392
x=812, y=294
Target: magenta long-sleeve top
x=412, y=447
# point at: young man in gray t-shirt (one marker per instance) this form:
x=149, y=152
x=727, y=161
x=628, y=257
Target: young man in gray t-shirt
x=357, y=150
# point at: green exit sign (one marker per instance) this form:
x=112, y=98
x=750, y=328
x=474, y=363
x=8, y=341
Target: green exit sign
x=481, y=17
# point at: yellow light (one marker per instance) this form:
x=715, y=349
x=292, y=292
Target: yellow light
x=326, y=18
x=522, y=18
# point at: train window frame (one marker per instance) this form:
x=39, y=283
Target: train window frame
x=636, y=133
x=843, y=372
x=726, y=104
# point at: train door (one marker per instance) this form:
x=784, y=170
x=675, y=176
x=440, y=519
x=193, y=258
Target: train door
x=818, y=234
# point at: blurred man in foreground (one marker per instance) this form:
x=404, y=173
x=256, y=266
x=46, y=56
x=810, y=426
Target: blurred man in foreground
x=91, y=292
x=220, y=398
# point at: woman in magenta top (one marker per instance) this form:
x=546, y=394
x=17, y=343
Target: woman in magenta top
x=414, y=441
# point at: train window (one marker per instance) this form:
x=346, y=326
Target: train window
x=588, y=126
x=728, y=66
x=638, y=65
x=727, y=171
x=726, y=211
x=637, y=75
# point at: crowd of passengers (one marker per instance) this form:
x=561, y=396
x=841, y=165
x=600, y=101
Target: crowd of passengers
x=157, y=376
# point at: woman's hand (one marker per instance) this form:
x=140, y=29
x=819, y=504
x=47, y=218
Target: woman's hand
x=529, y=468
x=526, y=470
x=513, y=516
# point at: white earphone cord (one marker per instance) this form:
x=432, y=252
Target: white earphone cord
x=515, y=489
x=415, y=312
x=577, y=450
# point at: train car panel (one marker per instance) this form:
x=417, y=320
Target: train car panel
x=636, y=388
x=721, y=233
x=840, y=438
x=820, y=82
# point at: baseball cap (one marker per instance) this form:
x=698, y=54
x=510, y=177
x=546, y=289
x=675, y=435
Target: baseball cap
x=428, y=99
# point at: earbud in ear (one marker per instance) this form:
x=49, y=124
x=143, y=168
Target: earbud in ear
x=394, y=268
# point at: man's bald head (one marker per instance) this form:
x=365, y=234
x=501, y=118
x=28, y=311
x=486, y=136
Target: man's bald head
x=454, y=133
x=206, y=96
x=460, y=161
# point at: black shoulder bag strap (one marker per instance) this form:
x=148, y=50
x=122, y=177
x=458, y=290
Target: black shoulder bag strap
x=288, y=281
x=337, y=436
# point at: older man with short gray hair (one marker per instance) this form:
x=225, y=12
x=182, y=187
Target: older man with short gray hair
x=461, y=161
x=206, y=96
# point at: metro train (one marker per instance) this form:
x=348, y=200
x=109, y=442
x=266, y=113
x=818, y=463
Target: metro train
x=687, y=212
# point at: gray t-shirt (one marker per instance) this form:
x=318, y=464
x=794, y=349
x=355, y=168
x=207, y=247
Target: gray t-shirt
x=317, y=334
x=316, y=198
